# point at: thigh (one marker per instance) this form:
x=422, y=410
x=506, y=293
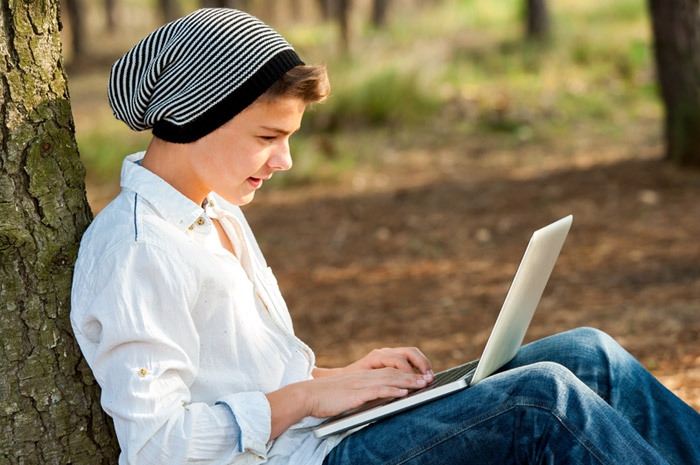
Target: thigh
x=535, y=414
x=667, y=423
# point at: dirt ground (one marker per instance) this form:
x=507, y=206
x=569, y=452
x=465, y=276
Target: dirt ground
x=421, y=252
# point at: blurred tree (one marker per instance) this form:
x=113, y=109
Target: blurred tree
x=50, y=403
x=676, y=26
x=537, y=19
x=75, y=10
x=327, y=8
x=297, y=9
x=343, y=9
x=339, y=10
x=169, y=10
x=237, y=4
x=109, y=15
x=379, y=11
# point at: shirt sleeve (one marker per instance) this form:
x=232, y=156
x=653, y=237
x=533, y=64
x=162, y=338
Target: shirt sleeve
x=131, y=316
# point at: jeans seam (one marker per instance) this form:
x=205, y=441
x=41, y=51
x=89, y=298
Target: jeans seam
x=531, y=402
x=559, y=415
x=408, y=455
x=601, y=395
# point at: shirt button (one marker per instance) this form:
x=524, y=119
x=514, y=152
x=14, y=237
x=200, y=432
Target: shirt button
x=191, y=227
x=142, y=372
x=200, y=221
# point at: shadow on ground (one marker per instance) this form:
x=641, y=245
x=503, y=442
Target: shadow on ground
x=429, y=264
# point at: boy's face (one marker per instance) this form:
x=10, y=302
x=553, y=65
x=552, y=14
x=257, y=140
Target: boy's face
x=236, y=158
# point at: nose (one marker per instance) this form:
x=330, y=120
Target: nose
x=281, y=159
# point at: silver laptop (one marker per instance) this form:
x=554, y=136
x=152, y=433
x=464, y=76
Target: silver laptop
x=505, y=340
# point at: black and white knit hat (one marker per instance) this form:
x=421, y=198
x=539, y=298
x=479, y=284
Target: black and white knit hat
x=191, y=76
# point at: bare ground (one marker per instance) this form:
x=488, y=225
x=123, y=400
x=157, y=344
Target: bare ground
x=422, y=252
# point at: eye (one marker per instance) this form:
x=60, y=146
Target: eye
x=268, y=138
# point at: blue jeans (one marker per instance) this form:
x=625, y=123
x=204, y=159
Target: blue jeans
x=573, y=398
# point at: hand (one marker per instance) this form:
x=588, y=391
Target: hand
x=331, y=395
x=383, y=373
x=407, y=359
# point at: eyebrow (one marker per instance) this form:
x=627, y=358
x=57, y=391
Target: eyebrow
x=280, y=131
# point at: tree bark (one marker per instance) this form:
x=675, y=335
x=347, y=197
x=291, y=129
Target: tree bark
x=49, y=401
x=676, y=27
x=537, y=18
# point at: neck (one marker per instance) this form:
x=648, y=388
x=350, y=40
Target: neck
x=171, y=162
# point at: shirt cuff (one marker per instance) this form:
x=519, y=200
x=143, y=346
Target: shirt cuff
x=252, y=414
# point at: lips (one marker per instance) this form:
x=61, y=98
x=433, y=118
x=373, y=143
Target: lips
x=255, y=183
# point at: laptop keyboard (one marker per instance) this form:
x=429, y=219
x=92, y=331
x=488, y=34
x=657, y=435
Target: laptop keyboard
x=453, y=374
x=449, y=376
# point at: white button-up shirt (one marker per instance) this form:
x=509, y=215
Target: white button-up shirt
x=183, y=337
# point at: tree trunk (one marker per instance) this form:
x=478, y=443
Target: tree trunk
x=109, y=15
x=169, y=10
x=74, y=11
x=327, y=8
x=344, y=8
x=677, y=48
x=49, y=402
x=379, y=10
x=537, y=19
x=243, y=5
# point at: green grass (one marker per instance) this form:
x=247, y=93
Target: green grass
x=103, y=150
x=388, y=96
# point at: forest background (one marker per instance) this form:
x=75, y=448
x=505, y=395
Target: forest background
x=448, y=138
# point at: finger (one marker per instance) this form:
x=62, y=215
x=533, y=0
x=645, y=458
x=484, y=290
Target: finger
x=389, y=358
x=400, y=379
x=416, y=358
x=379, y=392
x=381, y=358
x=356, y=398
x=385, y=377
x=383, y=392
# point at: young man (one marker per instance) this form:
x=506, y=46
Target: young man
x=186, y=332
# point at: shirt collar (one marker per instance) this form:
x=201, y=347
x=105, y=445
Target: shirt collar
x=172, y=205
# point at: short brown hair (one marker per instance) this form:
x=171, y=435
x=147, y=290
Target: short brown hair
x=308, y=83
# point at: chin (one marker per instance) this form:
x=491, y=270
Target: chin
x=241, y=200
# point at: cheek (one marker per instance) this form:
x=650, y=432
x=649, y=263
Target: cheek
x=213, y=169
x=240, y=160
x=253, y=160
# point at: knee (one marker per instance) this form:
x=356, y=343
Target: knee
x=553, y=371
x=590, y=336
x=599, y=360
x=577, y=349
x=594, y=346
x=548, y=373
x=548, y=383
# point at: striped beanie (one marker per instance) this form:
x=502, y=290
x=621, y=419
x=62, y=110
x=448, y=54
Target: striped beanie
x=191, y=76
